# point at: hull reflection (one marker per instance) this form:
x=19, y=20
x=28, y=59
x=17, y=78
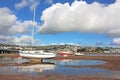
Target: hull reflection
x=36, y=68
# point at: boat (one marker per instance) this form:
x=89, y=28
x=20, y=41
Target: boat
x=38, y=53
x=65, y=53
x=78, y=54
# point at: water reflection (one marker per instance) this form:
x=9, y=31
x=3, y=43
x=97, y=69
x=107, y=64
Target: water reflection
x=36, y=68
x=70, y=62
x=62, y=62
x=9, y=60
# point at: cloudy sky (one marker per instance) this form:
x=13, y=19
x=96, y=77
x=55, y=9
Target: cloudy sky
x=84, y=22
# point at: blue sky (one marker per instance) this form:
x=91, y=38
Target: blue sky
x=88, y=22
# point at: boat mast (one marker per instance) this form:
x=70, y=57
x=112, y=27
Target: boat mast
x=33, y=26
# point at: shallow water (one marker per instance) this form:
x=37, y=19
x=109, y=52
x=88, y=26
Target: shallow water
x=70, y=62
x=38, y=69
x=88, y=72
x=9, y=60
x=50, y=66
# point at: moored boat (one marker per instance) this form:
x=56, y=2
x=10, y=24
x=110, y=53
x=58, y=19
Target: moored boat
x=37, y=54
x=78, y=54
x=65, y=53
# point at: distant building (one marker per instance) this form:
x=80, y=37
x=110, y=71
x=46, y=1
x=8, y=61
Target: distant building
x=4, y=51
x=107, y=51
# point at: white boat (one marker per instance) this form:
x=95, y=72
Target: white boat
x=37, y=54
x=78, y=54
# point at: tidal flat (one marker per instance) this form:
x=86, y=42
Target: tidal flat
x=61, y=68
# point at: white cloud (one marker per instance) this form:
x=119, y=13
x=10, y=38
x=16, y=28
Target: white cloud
x=24, y=40
x=24, y=26
x=29, y=3
x=7, y=19
x=116, y=41
x=6, y=39
x=82, y=17
x=49, y=1
x=115, y=31
x=21, y=5
x=62, y=43
x=10, y=27
x=53, y=44
x=70, y=44
x=15, y=40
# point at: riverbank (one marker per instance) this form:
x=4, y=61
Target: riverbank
x=112, y=63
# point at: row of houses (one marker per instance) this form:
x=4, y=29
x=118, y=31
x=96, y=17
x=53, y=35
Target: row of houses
x=114, y=50
x=72, y=48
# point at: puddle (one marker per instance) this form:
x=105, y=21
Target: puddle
x=35, y=69
x=70, y=62
x=38, y=69
x=93, y=72
x=78, y=62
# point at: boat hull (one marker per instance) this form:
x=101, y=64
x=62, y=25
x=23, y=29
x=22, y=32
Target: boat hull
x=41, y=56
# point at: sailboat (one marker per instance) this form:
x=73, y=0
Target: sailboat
x=36, y=53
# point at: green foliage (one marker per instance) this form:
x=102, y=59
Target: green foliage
x=99, y=49
x=82, y=50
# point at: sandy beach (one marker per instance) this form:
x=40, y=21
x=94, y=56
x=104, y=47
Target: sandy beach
x=112, y=63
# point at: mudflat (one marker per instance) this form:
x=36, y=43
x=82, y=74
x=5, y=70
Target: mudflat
x=112, y=63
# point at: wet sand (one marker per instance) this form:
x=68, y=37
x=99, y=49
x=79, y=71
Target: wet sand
x=113, y=63
x=51, y=77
